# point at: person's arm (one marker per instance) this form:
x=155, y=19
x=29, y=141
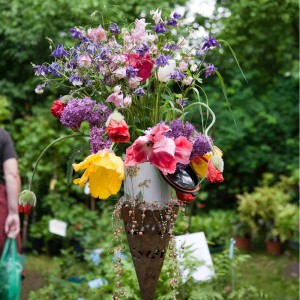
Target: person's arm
x=13, y=184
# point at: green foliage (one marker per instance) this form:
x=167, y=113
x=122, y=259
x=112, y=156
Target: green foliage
x=25, y=26
x=216, y=224
x=268, y=209
x=4, y=108
x=265, y=106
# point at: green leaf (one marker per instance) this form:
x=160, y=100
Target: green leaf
x=225, y=96
x=77, y=151
x=235, y=58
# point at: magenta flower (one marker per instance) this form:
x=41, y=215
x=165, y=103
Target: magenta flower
x=159, y=150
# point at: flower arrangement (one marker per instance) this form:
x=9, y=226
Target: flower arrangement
x=134, y=87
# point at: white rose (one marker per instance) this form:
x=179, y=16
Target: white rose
x=163, y=73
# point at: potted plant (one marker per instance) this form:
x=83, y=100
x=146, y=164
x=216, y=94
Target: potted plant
x=268, y=211
x=242, y=236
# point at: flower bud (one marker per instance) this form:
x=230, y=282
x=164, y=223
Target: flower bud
x=218, y=162
x=27, y=197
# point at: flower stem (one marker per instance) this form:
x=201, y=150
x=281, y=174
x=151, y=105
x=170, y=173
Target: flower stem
x=45, y=150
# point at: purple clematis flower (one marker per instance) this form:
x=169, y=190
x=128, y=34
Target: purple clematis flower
x=40, y=70
x=161, y=61
x=139, y=92
x=210, y=70
x=54, y=69
x=76, y=79
x=114, y=28
x=59, y=51
x=210, y=43
x=177, y=75
x=142, y=51
x=160, y=28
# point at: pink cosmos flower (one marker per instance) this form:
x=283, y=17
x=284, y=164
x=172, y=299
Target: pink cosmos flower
x=159, y=150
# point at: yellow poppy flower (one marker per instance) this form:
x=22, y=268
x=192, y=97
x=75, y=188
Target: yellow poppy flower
x=200, y=163
x=104, y=171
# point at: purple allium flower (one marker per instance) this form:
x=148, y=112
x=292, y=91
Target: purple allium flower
x=59, y=51
x=99, y=115
x=160, y=28
x=114, y=28
x=178, y=128
x=161, y=61
x=177, y=75
x=210, y=43
x=79, y=110
x=172, y=47
x=176, y=16
x=131, y=72
x=76, y=79
x=98, y=140
x=210, y=70
x=139, y=92
x=142, y=50
x=40, y=70
x=75, y=33
x=201, y=145
x=189, y=130
x=172, y=22
x=54, y=69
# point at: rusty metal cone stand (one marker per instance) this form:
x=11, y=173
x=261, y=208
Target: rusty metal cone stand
x=148, y=234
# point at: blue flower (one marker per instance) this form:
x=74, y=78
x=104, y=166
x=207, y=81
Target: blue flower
x=76, y=79
x=139, y=92
x=40, y=70
x=210, y=70
x=75, y=33
x=59, y=51
x=114, y=28
x=173, y=47
x=131, y=72
x=161, y=61
x=176, y=16
x=210, y=43
x=160, y=28
x=177, y=75
x=54, y=69
x=142, y=50
x=172, y=22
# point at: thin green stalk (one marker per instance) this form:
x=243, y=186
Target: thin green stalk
x=45, y=150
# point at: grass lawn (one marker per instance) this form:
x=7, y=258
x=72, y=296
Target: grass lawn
x=278, y=276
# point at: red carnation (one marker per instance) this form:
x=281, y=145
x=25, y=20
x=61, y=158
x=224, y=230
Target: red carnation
x=118, y=131
x=143, y=64
x=57, y=108
x=185, y=197
x=213, y=174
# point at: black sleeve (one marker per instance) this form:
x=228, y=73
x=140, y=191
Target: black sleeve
x=7, y=149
